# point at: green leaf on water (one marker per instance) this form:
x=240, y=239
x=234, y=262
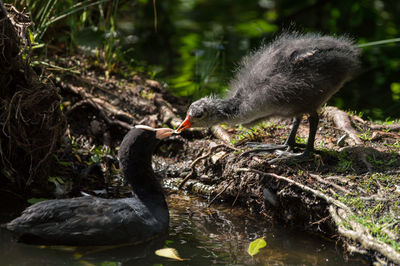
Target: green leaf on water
x=256, y=245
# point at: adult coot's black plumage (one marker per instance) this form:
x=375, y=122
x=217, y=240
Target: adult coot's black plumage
x=294, y=75
x=97, y=221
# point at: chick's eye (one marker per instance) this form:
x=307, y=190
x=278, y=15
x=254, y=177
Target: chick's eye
x=198, y=115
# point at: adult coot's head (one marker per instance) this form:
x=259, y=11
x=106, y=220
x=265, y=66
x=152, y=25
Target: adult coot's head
x=136, y=150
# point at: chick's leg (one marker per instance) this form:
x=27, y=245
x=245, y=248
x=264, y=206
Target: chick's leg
x=269, y=147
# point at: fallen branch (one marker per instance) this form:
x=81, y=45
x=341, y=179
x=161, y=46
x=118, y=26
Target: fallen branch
x=166, y=111
x=374, y=198
x=105, y=106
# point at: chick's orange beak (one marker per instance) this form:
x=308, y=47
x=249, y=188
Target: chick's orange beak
x=185, y=124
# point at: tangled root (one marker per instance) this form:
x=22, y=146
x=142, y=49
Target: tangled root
x=31, y=121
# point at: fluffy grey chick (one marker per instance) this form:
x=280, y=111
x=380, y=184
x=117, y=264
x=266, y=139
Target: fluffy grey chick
x=294, y=75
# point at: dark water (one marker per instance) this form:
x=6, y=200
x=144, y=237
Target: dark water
x=203, y=235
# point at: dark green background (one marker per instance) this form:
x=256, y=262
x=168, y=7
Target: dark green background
x=198, y=42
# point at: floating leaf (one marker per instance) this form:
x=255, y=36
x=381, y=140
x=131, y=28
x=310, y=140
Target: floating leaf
x=256, y=245
x=170, y=253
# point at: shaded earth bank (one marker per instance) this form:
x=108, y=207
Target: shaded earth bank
x=349, y=190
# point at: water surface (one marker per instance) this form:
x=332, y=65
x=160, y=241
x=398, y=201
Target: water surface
x=203, y=235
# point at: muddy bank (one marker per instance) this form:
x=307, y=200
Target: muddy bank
x=347, y=191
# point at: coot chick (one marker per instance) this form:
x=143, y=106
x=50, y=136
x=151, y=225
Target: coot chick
x=98, y=221
x=294, y=75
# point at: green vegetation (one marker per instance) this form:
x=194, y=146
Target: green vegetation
x=300, y=139
x=86, y=26
x=345, y=162
x=196, y=45
x=366, y=135
x=380, y=162
x=373, y=212
x=255, y=133
x=372, y=215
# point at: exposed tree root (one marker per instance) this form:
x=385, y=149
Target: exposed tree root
x=220, y=193
x=342, y=121
x=391, y=127
x=297, y=184
x=360, y=234
x=102, y=113
x=95, y=101
x=221, y=134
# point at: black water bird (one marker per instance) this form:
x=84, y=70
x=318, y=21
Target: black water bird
x=98, y=221
x=294, y=75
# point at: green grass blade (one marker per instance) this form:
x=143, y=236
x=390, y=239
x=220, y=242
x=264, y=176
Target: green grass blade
x=379, y=42
x=74, y=9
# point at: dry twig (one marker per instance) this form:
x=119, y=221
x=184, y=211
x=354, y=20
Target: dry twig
x=219, y=193
x=321, y=180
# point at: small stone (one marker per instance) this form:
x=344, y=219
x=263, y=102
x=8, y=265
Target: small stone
x=217, y=156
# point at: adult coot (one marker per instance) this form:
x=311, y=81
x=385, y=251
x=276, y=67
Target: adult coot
x=98, y=221
x=294, y=75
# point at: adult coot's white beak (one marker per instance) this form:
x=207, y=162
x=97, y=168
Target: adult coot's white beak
x=162, y=133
